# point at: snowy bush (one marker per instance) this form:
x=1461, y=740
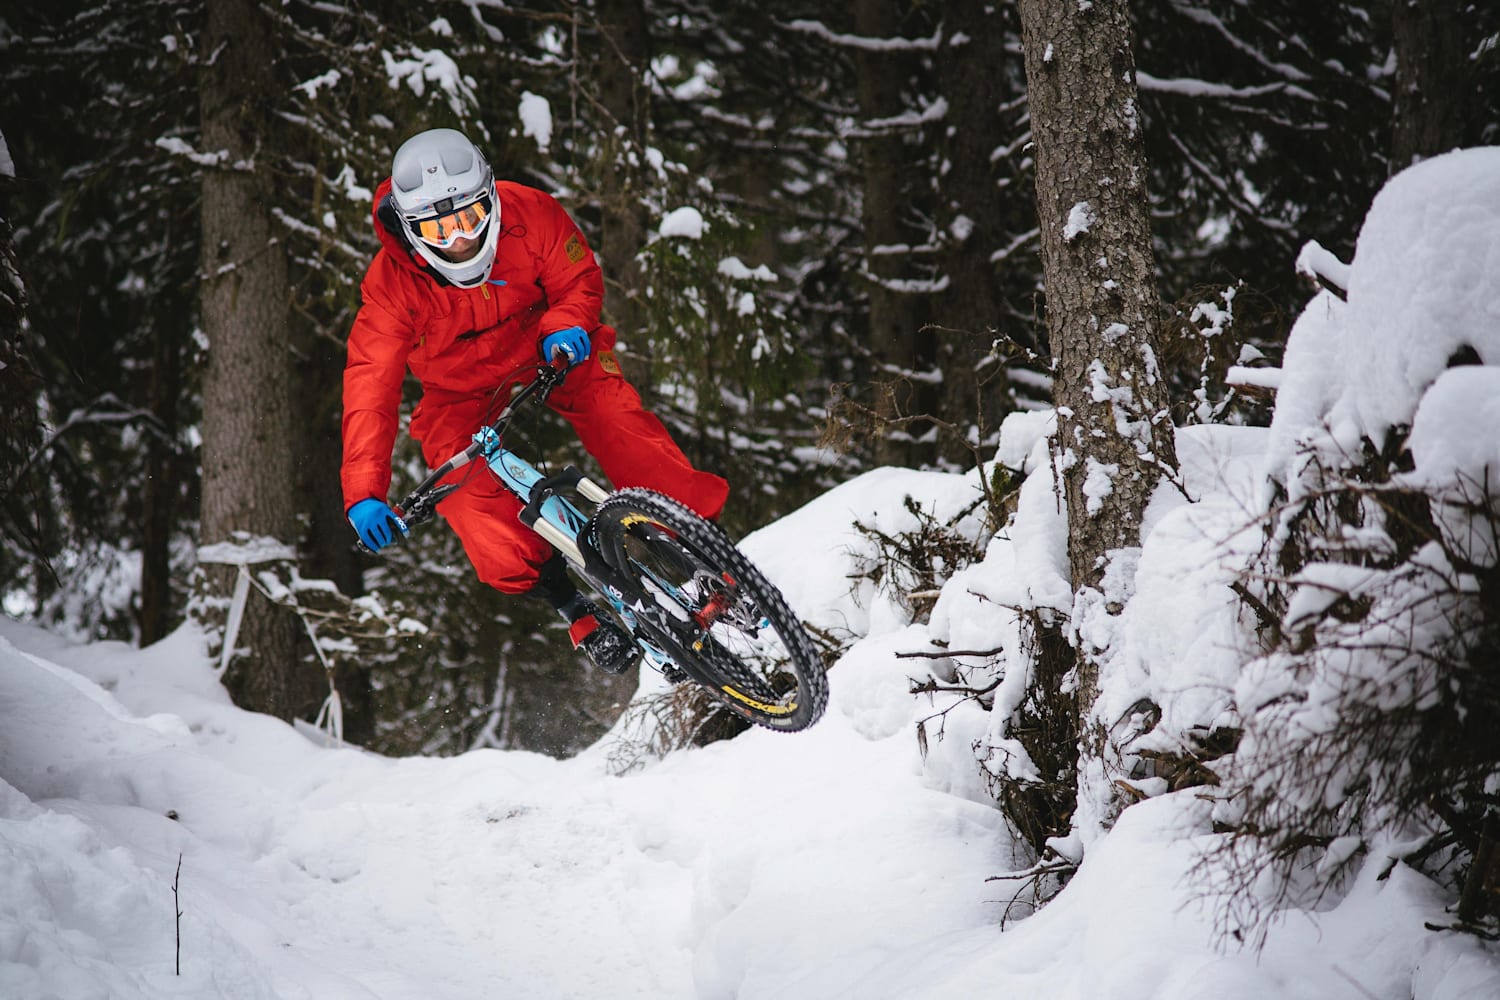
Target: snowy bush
x=1368, y=726
x=1368, y=719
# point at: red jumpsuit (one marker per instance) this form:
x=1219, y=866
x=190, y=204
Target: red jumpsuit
x=464, y=343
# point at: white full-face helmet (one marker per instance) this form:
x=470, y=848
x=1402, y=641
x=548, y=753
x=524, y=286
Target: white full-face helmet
x=444, y=193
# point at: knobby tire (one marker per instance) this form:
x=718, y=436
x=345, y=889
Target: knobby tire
x=754, y=657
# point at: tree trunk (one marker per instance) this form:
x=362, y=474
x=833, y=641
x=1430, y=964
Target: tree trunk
x=1114, y=437
x=1432, y=72
x=972, y=80
x=247, y=432
x=895, y=315
x=160, y=489
x=619, y=59
x=622, y=51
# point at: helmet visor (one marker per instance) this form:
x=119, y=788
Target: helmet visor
x=466, y=223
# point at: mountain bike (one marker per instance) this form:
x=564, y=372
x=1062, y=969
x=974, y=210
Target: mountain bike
x=699, y=610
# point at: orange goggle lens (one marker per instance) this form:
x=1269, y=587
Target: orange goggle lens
x=443, y=231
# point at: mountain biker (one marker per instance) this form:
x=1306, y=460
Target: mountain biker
x=475, y=281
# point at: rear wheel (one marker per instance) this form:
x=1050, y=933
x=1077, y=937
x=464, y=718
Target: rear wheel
x=712, y=611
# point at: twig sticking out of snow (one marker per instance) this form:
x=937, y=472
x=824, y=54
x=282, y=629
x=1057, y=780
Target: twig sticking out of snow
x=1320, y=264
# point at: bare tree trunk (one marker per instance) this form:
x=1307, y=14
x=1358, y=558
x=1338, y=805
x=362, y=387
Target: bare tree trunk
x=247, y=429
x=621, y=53
x=1432, y=72
x=622, y=50
x=1114, y=437
x=160, y=491
x=895, y=316
x=971, y=77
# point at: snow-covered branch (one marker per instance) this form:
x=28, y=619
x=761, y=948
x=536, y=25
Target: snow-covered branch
x=821, y=31
x=1203, y=88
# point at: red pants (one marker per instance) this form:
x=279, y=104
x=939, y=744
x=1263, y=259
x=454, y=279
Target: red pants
x=631, y=445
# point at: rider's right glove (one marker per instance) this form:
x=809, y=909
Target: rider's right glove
x=375, y=522
x=574, y=342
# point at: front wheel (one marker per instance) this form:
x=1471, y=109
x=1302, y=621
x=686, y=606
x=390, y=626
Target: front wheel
x=712, y=611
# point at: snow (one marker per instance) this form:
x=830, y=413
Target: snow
x=421, y=67
x=1316, y=262
x=832, y=863
x=1203, y=88
x=1256, y=378
x=246, y=551
x=309, y=871
x=1423, y=286
x=535, y=112
x=933, y=112
x=738, y=270
x=311, y=87
x=179, y=147
x=1099, y=483
x=821, y=31
x=1455, y=445
x=686, y=222
x=839, y=862
x=1080, y=217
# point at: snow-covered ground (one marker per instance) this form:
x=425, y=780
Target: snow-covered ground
x=831, y=863
x=763, y=867
x=839, y=862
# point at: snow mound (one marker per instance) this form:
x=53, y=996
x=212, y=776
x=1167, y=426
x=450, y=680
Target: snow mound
x=1424, y=290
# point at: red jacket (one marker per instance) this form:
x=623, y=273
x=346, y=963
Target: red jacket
x=461, y=343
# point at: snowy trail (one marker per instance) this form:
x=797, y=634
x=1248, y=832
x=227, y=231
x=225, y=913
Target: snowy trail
x=832, y=864
x=310, y=871
x=836, y=863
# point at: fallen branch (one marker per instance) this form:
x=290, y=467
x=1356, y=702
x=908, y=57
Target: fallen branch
x=944, y=654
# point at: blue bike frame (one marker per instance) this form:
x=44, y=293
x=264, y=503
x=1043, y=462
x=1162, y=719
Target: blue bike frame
x=557, y=520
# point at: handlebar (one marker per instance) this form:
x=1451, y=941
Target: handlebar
x=420, y=505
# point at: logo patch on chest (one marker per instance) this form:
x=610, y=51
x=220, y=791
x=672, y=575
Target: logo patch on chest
x=574, y=248
x=609, y=362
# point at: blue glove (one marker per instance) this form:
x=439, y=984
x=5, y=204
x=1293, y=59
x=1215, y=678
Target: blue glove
x=374, y=520
x=573, y=342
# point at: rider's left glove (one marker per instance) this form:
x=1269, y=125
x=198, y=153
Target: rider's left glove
x=375, y=523
x=573, y=342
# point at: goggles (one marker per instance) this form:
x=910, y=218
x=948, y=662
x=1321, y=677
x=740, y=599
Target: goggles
x=442, y=231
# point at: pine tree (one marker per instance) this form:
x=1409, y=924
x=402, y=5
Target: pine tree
x=1265, y=126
